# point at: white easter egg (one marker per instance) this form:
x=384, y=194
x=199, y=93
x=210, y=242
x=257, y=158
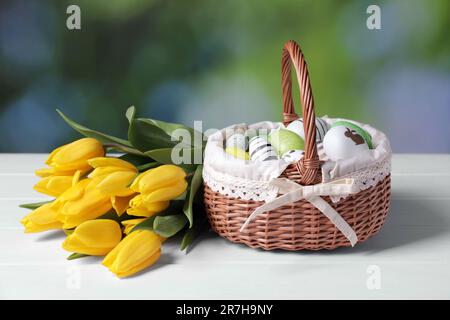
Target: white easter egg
x=261, y=150
x=237, y=140
x=341, y=142
x=293, y=156
x=321, y=128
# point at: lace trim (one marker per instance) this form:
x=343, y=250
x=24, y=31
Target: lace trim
x=368, y=177
x=246, y=189
x=236, y=187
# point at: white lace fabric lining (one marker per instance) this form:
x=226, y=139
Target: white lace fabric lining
x=251, y=181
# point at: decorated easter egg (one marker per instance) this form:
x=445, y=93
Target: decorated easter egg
x=237, y=153
x=293, y=156
x=284, y=140
x=342, y=142
x=261, y=150
x=321, y=128
x=238, y=140
x=363, y=133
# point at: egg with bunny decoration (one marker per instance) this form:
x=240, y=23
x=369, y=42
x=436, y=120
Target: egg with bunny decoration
x=345, y=140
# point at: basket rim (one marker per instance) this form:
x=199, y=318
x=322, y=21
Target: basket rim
x=231, y=176
x=214, y=149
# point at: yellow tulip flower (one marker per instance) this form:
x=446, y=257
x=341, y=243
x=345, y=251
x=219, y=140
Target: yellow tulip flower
x=113, y=177
x=140, y=209
x=157, y=178
x=165, y=194
x=81, y=202
x=56, y=185
x=137, y=251
x=156, y=187
x=42, y=219
x=70, y=158
x=130, y=224
x=94, y=237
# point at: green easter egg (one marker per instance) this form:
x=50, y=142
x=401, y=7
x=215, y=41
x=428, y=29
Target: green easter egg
x=238, y=153
x=284, y=140
x=363, y=133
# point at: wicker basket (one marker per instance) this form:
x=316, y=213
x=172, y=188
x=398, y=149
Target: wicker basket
x=299, y=225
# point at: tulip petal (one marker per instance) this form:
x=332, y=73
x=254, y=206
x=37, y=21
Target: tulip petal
x=76, y=177
x=167, y=193
x=157, y=206
x=130, y=224
x=79, y=150
x=111, y=162
x=54, y=185
x=94, y=237
x=42, y=219
x=88, y=203
x=140, y=212
x=102, y=172
x=121, y=204
x=137, y=207
x=126, y=192
x=161, y=177
x=74, y=192
x=145, y=244
x=143, y=265
x=71, y=221
x=135, y=252
x=112, y=255
x=52, y=154
x=135, y=185
x=44, y=172
x=115, y=182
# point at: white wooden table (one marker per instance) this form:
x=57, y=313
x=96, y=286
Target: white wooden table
x=409, y=258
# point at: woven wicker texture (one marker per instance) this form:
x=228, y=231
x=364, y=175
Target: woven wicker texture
x=299, y=226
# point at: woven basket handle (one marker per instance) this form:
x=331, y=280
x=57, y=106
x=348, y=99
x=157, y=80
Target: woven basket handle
x=308, y=166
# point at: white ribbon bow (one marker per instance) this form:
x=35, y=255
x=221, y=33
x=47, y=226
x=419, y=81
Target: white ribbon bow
x=293, y=192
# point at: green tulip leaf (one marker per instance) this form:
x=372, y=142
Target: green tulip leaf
x=136, y=160
x=147, y=166
x=107, y=140
x=104, y=138
x=168, y=226
x=164, y=156
x=34, y=206
x=147, y=224
x=142, y=163
x=170, y=128
x=175, y=129
x=130, y=113
x=193, y=187
x=175, y=208
x=191, y=234
x=188, y=237
x=167, y=127
x=75, y=255
x=145, y=135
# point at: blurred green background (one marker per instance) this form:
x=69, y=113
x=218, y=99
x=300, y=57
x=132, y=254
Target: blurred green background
x=219, y=61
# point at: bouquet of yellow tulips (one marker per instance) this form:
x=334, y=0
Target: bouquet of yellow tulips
x=121, y=198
